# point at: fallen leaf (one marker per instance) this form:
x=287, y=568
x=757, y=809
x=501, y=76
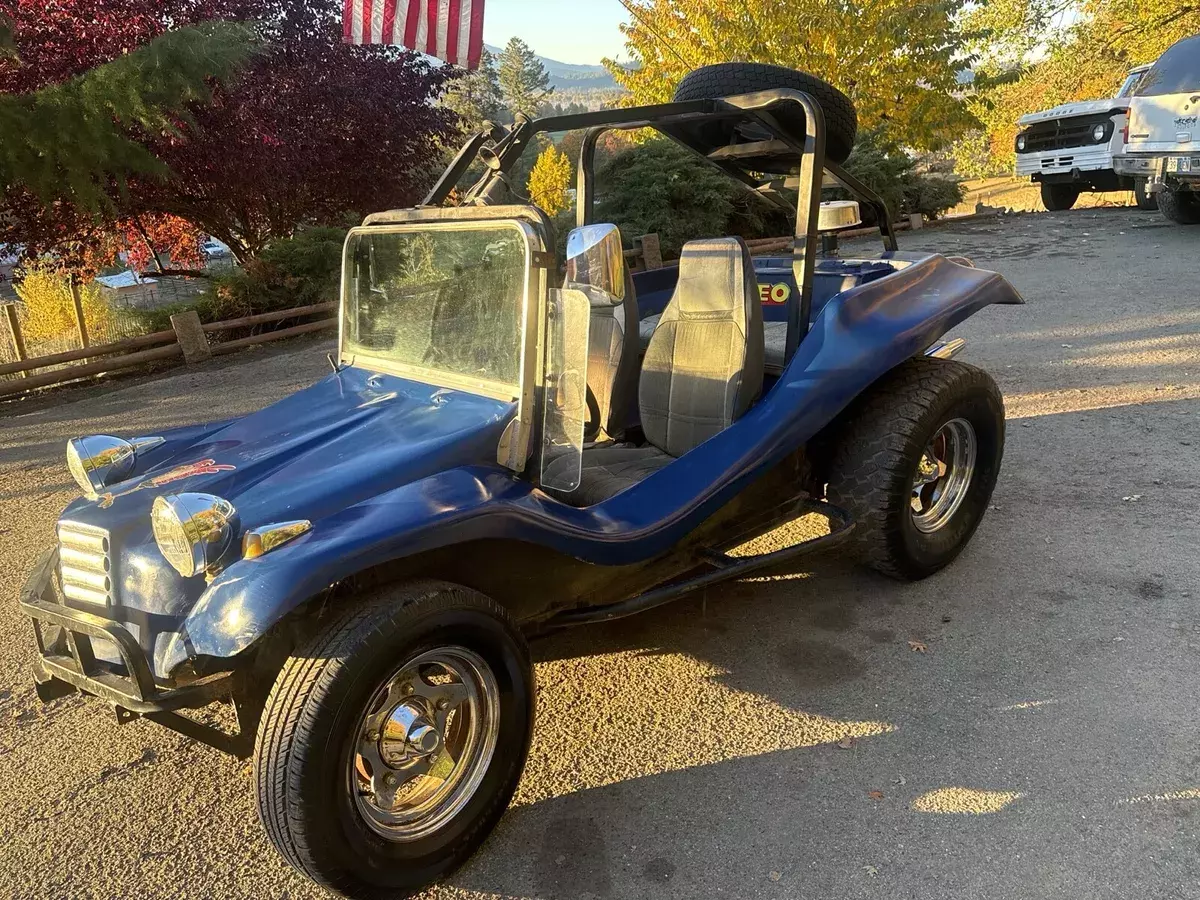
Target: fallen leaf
x=871, y=870
x=875, y=795
x=918, y=647
x=900, y=780
x=846, y=743
x=775, y=876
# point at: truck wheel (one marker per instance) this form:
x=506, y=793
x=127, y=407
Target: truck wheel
x=1059, y=197
x=393, y=740
x=730, y=79
x=915, y=464
x=1143, y=197
x=1180, y=207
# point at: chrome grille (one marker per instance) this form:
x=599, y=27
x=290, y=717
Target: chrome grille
x=85, y=563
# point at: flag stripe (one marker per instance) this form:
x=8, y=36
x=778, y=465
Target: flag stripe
x=451, y=30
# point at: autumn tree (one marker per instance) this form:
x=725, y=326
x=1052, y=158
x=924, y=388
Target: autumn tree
x=475, y=97
x=311, y=130
x=550, y=181
x=524, y=82
x=898, y=61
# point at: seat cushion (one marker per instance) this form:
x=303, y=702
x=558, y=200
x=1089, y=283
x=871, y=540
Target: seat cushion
x=609, y=469
x=704, y=364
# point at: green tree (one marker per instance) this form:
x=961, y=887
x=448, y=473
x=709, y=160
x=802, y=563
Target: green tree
x=550, y=181
x=897, y=60
x=475, y=96
x=524, y=82
x=67, y=141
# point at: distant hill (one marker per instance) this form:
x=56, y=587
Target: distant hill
x=571, y=77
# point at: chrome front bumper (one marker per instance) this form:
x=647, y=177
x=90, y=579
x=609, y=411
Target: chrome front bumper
x=1063, y=162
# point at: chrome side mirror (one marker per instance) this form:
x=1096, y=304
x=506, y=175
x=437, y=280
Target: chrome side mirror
x=838, y=214
x=596, y=259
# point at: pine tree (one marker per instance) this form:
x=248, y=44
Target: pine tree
x=69, y=140
x=524, y=82
x=475, y=97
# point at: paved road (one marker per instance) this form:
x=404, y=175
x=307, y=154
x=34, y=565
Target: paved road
x=780, y=738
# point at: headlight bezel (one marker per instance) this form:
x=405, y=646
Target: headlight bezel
x=98, y=461
x=1022, y=142
x=1100, y=132
x=194, y=532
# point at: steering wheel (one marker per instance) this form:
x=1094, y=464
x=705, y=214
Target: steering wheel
x=592, y=427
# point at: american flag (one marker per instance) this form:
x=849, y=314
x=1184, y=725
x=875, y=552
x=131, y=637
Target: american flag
x=448, y=29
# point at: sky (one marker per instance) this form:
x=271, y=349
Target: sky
x=571, y=31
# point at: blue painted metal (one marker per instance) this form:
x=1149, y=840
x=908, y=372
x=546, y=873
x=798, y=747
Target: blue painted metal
x=405, y=502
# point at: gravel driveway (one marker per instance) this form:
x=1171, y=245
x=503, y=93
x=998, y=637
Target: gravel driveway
x=1021, y=725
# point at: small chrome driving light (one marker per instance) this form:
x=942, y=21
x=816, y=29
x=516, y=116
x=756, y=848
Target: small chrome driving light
x=265, y=538
x=193, y=531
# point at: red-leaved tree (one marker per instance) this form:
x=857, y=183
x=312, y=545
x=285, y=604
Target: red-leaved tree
x=312, y=130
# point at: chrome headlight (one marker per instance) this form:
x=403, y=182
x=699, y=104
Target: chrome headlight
x=193, y=531
x=100, y=460
x=1021, y=142
x=1099, y=133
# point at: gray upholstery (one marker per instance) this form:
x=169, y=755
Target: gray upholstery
x=704, y=365
x=775, y=343
x=612, y=358
x=609, y=469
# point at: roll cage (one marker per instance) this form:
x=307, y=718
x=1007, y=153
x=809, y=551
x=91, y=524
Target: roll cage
x=743, y=136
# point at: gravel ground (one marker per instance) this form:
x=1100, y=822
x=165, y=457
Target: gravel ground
x=1020, y=725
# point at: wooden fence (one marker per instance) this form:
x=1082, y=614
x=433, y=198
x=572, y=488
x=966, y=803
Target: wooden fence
x=187, y=340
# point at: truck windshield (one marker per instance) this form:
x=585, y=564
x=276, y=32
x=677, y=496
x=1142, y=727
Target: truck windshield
x=1176, y=72
x=443, y=302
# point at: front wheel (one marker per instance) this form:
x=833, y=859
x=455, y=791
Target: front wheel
x=393, y=741
x=915, y=463
x=1059, y=197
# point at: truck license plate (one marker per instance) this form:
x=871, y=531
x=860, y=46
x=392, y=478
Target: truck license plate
x=1179, y=164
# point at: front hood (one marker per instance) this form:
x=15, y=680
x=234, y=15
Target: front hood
x=347, y=438
x=1077, y=108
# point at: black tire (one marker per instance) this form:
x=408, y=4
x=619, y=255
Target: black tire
x=730, y=79
x=876, y=451
x=1143, y=197
x=1180, y=207
x=304, y=741
x=1059, y=197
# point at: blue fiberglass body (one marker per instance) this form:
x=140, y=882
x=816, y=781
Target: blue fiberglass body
x=373, y=498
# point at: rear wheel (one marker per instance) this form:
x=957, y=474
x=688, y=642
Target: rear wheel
x=1142, y=196
x=1059, y=197
x=392, y=742
x=1179, y=206
x=915, y=463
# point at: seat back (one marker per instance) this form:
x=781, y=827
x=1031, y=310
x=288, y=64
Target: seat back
x=612, y=358
x=704, y=364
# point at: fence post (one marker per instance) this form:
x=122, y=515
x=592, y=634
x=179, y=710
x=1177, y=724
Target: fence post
x=14, y=328
x=191, y=336
x=651, y=251
x=77, y=300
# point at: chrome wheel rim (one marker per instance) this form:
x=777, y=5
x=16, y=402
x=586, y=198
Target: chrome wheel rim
x=424, y=743
x=944, y=475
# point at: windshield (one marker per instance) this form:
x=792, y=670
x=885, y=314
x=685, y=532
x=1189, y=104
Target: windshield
x=443, y=302
x=1176, y=72
x=1131, y=82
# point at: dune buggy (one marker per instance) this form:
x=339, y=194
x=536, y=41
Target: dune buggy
x=501, y=451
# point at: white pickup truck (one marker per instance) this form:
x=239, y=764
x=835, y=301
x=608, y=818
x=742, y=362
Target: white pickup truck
x=1069, y=149
x=1164, y=131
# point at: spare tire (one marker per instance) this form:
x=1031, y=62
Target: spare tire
x=730, y=79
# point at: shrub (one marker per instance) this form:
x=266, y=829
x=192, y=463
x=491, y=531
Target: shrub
x=50, y=308
x=892, y=173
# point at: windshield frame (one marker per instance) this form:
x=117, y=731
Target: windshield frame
x=529, y=336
